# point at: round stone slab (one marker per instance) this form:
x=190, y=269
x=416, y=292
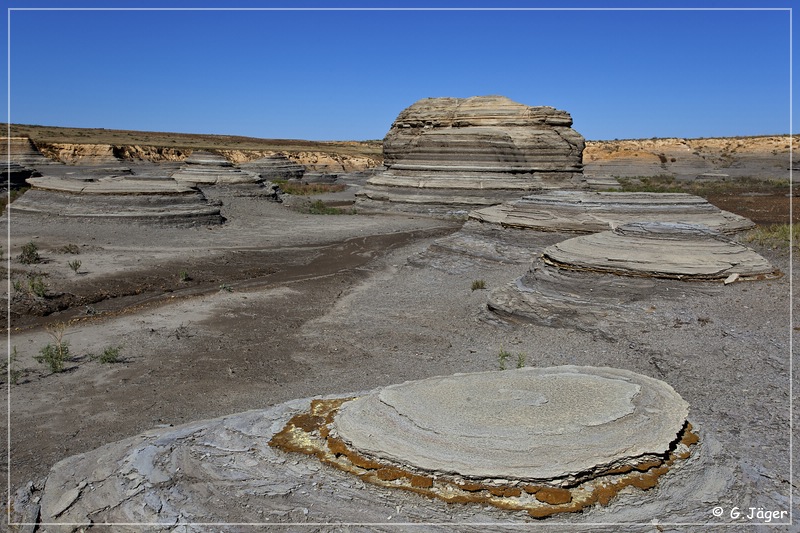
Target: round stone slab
x=659, y=249
x=591, y=211
x=560, y=424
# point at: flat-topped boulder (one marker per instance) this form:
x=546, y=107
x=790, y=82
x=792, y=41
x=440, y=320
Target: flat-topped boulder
x=591, y=211
x=124, y=199
x=446, y=153
x=633, y=274
x=208, y=168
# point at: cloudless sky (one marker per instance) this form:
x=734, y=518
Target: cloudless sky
x=337, y=75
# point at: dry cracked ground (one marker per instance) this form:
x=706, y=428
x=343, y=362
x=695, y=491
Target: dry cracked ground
x=277, y=305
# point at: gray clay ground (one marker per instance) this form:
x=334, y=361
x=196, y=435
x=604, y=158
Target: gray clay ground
x=332, y=305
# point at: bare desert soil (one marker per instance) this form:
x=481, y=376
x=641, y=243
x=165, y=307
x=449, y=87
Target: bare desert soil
x=281, y=305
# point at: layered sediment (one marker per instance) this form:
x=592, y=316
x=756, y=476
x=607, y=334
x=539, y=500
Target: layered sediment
x=446, y=153
x=626, y=275
x=208, y=168
x=275, y=167
x=123, y=199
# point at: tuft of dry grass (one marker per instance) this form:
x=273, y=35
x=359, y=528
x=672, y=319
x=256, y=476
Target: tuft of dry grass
x=776, y=236
x=307, y=189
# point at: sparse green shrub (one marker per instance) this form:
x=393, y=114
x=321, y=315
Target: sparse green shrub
x=478, y=284
x=110, y=355
x=17, y=285
x=74, y=265
x=10, y=369
x=502, y=358
x=37, y=286
x=521, y=357
x=30, y=254
x=225, y=287
x=184, y=276
x=56, y=354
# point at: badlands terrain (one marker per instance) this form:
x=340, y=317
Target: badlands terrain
x=280, y=304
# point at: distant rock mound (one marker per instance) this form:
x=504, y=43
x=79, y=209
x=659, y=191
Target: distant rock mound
x=208, y=168
x=124, y=199
x=626, y=275
x=444, y=154
x=275, y=167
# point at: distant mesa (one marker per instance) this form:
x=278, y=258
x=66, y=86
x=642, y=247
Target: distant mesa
x=208, y=168
x=443, y=154
x=114, y=198
x=628, y=274
x=275, y=167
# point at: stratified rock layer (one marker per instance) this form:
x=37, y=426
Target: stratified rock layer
x=556, y=426
x=590, y=212
x=627, y=275
x=207, y=168
x=143, y=200
x=472, y=152
x=275, y=167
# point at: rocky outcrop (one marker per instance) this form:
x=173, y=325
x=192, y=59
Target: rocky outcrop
x=591, y=212
x=208, y=168
x=119, y=199
x=22, y=160
x=593, y=281
x=445, y=153
x=81, y=154
x=275, y=167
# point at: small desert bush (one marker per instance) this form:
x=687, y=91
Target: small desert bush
x=502, y=358
x=774, y=236
x=55, y=354
x=110, y=355
x=37, y=285
x=184, y=276
x=478, y=284
x=30, y=254
x=306, y=189
x=74, y=265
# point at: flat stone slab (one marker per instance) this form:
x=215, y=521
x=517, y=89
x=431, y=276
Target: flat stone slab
x=577, y=211
x=161, y=201
x=563, y=423
x=655, y=249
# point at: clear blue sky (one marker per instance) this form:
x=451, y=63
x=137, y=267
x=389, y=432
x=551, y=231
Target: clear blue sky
x=337, y=75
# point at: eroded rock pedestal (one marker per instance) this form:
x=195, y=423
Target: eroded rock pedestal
x=543, y=440
x=593, y=281
x=208, y=168
x=275, y=167
x=123, y=199
x=454, y=153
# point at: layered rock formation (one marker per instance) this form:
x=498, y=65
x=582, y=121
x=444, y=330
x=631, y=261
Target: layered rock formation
x=21, y=160
x=591, y=212
x=515, y=231
x=448, y=153
x=207, y=168
x=593, y=281
x=274, y=167
x=137, y=200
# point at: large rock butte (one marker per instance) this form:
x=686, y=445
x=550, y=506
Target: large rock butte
x=448, y=153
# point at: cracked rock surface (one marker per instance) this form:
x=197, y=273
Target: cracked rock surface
x=557, y=425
